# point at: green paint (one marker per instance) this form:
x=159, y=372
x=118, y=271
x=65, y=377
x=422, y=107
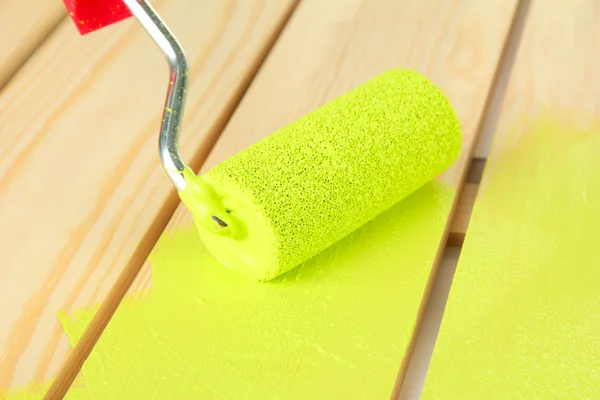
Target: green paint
x=336, y=327
x=233, y=245
x=523, y=315
x=301, y=189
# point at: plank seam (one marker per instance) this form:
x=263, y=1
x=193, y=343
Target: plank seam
x=512, y=35
x=491, y=112
x=500, y=83
x=476, y=170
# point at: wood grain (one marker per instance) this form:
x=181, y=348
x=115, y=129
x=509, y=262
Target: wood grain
x=328, y=48
x=522, y=315
x=22, y=28
x=81, y=183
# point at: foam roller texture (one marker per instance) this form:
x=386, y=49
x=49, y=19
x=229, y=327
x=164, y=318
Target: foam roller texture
x=303, y=188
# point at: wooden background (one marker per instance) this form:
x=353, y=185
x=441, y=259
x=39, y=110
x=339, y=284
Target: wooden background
x=83, y=198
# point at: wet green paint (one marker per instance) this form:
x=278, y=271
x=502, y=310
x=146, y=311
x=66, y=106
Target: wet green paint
x=336, y=327
x=523, y=315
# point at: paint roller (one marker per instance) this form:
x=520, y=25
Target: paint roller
x=291, y=195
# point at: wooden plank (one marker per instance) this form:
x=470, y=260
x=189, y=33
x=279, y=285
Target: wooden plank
x=22, y=29
x=81, y=186
x=326, y=49
x=523, y=312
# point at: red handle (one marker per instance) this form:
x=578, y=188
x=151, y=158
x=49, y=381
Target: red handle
x=91, y=15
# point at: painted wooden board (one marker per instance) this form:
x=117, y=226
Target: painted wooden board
x=523, y=313
x=341, y=325
x=81, y=186
x=22, y=28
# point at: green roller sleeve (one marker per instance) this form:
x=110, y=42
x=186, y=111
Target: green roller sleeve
x=296, y=192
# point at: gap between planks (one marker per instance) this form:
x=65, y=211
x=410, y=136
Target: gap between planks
x=432, y=315
x=466, y=201
x=543, y=96
x=468, y=193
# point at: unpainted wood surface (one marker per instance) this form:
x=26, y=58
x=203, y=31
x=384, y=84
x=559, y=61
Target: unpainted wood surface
x=23, y=26
x=328, y=48
x=522, y=315
x=80, y=178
